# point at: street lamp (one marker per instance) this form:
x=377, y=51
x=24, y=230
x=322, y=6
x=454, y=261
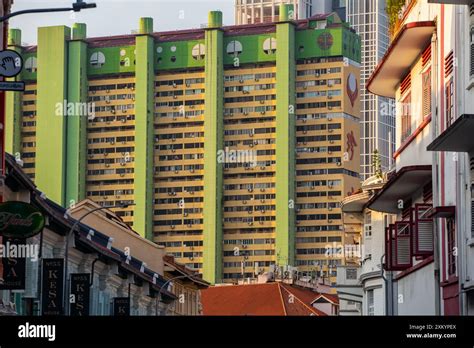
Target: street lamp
x=66, y=250
x=165, y=284
x=76, y=7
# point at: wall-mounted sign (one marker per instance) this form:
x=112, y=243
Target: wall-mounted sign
x=20, y=220
x=12, y=86
x=352, y=88
x=52, y=289
x=80, y=294
x=121, y=306
x=14, y=268
x=11, y=63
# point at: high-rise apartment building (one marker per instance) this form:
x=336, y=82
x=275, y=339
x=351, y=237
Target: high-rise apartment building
x=237, y=144
x=369, y=19
x=264, y=11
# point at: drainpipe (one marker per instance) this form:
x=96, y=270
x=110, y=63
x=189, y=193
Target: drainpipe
x=436, y=183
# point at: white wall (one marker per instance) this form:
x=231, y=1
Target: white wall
x=415, y=292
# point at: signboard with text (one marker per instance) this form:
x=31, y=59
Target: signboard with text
x=14, y=264
x=20, y=220
x=80, y=294
x=121, y=306
x=52, y=289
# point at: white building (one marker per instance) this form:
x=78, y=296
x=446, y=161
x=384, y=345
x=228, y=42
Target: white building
x=428, y=70
x=265, y=11
x=370, y=21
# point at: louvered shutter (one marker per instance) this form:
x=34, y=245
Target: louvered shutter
x=402, y=258
x=423, y=231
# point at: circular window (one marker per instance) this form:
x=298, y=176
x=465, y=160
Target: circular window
x=270, y=46
x=325, y=41
x=199, y=52
x=97, y=59
x=31, y=65
x=234, y=48
x=159, y=49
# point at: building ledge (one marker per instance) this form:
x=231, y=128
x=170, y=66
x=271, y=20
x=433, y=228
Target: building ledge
x=400, y=187
x=443, y=212
x=411, y=40
x=457, y=137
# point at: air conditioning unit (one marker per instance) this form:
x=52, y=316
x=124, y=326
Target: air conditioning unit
x=185, y=214
x=106, y=154
x=250, y=190
x=244, y=202
x=172, y=227
x=329, y=96
x=122, y=175
x=250, y=223
x=263, y=112
x=107, y=165
x=329, y=107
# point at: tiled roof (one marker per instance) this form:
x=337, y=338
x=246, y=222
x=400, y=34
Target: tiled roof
x=269, y=299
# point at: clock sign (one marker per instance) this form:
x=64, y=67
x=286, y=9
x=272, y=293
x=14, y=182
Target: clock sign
x=325, y=41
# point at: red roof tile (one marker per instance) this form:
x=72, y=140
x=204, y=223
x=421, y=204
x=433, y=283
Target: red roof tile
x=270, y=299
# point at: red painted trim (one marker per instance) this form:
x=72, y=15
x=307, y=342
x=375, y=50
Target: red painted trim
x=413, y=136
x=415, y=268
x=442, y=113
x=392, y=48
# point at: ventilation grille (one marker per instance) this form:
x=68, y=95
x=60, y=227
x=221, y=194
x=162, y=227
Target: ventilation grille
x=449, y=64
x=406, y=84
x=426, y=56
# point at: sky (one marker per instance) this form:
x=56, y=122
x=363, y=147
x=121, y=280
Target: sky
x=115, y=17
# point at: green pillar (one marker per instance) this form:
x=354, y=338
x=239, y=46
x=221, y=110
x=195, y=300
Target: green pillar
x=213, y=142
x=76, y=141
x=50, y=175
x=13, y=103
x=144, y=133
x=285, y=137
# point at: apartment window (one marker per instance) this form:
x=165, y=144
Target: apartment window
x=368, y=225
x=406, y=117
x=451, y=237
x=472, y=44
x=426, y=93
x=449, y=102
x=370, y=303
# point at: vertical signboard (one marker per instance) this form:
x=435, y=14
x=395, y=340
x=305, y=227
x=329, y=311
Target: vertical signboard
x=121, y=306
x=80, y=294
x=52, y=289
x=13, y=260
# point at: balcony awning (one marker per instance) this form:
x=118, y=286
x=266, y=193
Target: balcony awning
x=410, y=42
x=401, y=186
x=443, y=212
x=457, y=138
x=355, y=203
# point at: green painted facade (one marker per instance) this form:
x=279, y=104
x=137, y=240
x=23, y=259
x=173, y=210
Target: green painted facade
x=285, y=140
x=13, y=103
x=144, y=131
x=213, y=142
x=51, y=123
x=76, y=136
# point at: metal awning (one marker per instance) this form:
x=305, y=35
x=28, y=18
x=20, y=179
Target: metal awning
x=410, y=42
x=401, y=186
x=457, y=138
x=442, y=212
